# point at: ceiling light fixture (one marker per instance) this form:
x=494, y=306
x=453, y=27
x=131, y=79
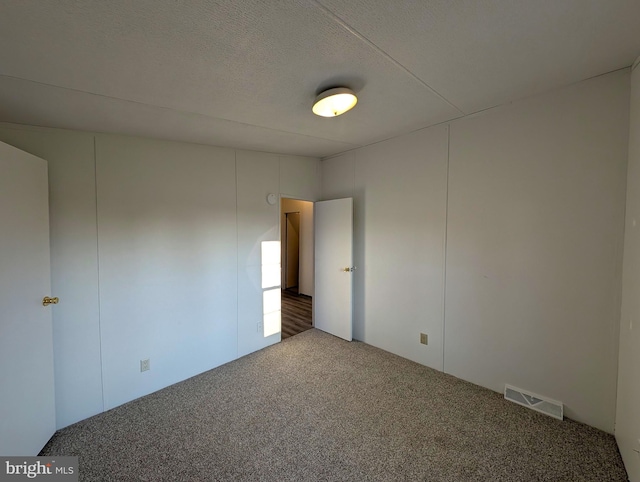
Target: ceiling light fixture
x=334, y=102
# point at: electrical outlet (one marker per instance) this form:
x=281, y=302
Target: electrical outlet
x=260, y=327
x=145, y=365
x=424, y=339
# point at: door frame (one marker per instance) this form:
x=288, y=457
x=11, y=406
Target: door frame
x=313, y=267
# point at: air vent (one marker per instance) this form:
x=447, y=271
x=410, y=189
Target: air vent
x=538, y=403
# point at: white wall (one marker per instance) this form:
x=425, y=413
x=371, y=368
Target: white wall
x=300, y=177
x=168, y=274
x=399, y=191
x=628, y=407
x=532, y=213
x=177, y=229
x=305, y=209
x=534, y=245
x=257, y=177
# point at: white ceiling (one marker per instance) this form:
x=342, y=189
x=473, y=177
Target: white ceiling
x=244, y=73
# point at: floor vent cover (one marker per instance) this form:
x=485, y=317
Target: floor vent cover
x=538, y=403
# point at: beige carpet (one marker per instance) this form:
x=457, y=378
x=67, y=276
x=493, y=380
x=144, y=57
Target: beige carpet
x=317, y=408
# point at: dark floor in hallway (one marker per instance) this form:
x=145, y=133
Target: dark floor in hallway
x=296, y=313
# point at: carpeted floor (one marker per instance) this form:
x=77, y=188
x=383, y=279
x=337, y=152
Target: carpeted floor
x=315, y=407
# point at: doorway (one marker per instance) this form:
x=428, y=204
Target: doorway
x=292, y=250
x=297, y=235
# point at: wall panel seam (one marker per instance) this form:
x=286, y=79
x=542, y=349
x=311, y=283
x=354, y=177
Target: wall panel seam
x=444, y=264
x=95, y=180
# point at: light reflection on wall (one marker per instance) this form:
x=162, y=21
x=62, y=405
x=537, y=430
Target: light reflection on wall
x=271, y=296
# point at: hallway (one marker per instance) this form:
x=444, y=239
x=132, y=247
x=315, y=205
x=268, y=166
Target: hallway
x=296, y=313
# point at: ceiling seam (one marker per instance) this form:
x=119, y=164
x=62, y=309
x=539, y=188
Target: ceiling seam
x=430, y=126
x=364, y=39
x=536, y=94
x=481, y=111
x=172, y=109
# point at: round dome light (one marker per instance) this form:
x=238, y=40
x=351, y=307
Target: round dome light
x=334, y=102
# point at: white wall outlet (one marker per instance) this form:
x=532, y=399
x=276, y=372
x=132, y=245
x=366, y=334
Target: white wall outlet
x=145, y=365
x=424, y=338
x=260, y=326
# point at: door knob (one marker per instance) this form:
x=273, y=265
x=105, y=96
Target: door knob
x=46, y=301
x=349, y=270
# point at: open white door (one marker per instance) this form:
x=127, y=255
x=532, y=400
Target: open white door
x=27, y=403
x=334, y=267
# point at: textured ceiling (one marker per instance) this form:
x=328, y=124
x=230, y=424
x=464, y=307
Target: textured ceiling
x=244, y=73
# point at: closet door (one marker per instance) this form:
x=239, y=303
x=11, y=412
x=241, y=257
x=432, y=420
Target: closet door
x=27, y=407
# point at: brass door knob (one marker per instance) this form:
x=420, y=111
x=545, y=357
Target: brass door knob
x=46, y=301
